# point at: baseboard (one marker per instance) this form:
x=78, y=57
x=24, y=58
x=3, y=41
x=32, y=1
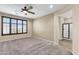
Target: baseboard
x=43, y=39
x=47, y=40
x=74, y=53
x=13, y=39
x=56, y=43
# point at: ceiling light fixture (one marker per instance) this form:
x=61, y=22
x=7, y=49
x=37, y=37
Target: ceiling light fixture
x=51, y=6
x=24, y=11
x=27, y=9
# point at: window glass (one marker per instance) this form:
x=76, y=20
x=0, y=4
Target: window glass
x=13, y=25
x=19, y=26
x=24, y=26
x=6, y=25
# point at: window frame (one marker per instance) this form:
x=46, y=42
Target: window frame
x=11, y=27
x=68, y=30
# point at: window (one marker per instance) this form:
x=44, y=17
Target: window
x=13, y=26
x=24, y=26
x=19, y=26
x=66, y=30
x=6, y=26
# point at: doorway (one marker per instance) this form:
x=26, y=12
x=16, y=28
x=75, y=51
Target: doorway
x=65, y=31
x=66, y=40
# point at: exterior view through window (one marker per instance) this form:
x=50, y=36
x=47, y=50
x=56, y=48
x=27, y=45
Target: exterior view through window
x=13, y=26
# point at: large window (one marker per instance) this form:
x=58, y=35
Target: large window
x=20, y=26
x=6, y=26
x=13, y=26
x=66, y=30
x=24, y=26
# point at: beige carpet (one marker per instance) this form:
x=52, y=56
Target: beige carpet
x=31, y=46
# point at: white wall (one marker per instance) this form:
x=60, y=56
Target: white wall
x=75, y=34
x=43, y=27
x=56, y=29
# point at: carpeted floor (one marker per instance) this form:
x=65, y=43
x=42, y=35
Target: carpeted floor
x=31, y=46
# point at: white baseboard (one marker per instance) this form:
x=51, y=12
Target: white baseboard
x=75, y=53
x=43, y=39
x=47, y=40
x=56, y=43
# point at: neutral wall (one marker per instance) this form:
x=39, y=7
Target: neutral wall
x=18, y=36
x=43, y=27
x=75, y=34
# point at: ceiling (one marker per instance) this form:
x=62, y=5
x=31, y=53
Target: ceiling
x=67, y=14
x=39, y=9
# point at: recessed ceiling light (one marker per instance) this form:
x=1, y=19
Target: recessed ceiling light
x=51, y=6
